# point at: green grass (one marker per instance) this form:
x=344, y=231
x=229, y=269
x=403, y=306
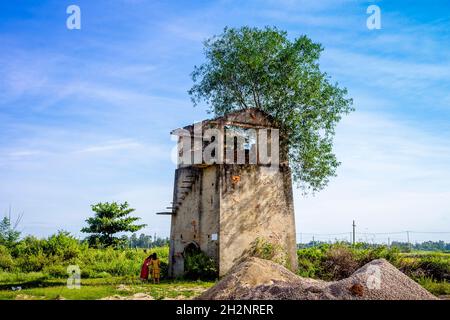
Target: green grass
x=45, y=288
x=21, y=277
x=437, y=288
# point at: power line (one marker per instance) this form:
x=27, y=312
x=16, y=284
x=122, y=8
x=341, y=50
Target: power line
x=406, y=236
x=373, y=233
x=446, y=232
x=322, y=234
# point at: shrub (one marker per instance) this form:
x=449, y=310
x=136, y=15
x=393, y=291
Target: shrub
x=56, y=271
x=337, y=261
x=32, y=263
x=199, y=266
x=29, y=246
x=340, y=262
x=438, y=268
x=63, y=245
x=433, y=266
x=307, y=268
x=6, y=260
x=310, y=262
x=365, y=255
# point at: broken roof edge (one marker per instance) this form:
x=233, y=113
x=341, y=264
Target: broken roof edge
x=239, y=118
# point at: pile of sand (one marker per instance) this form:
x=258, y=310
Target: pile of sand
x=262, y=279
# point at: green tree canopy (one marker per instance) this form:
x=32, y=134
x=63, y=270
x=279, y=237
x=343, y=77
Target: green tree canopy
x=110, y=219
x=262, y=68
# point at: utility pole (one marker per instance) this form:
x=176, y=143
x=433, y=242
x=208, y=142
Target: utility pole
x=314, y=244
x=407, y=237
x=354, y=226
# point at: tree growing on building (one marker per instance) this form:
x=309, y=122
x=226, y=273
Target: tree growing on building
x=262, y=68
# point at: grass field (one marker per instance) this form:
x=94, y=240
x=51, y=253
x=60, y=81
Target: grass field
x=39, y=287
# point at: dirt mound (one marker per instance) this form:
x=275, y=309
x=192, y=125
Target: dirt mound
x=262, y=279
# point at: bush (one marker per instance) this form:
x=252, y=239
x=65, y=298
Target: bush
x=340, y=262
x=310, y=262
x=32, y=263
x=29, y=246
x=56, y=271
x=365, y=255
x=433, y=266
x=63, y=245
x=6, y=260
x=436, y=267
x=199, y=266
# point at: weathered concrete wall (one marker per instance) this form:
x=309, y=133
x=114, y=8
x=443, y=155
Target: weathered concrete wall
x=197, y=217
x=209, y=219
x=182, y=232
x=258, y=204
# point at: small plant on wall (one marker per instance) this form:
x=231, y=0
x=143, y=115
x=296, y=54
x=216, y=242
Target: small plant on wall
x=264, y=249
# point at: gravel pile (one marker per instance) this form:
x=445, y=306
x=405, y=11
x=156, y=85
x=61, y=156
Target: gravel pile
x=256, y=279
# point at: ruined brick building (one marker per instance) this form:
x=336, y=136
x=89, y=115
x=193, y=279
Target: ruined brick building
x=222, y=205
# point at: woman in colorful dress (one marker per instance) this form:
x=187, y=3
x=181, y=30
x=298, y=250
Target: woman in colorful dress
x=145, y=268
x=156, y=271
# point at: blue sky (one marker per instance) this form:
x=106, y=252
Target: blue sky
x=86, y=114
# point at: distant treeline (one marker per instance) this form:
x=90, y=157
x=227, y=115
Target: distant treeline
x=146, y=241
x=402, y=246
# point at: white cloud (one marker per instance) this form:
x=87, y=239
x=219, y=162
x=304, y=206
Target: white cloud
x=122, y=144
x=374, y=69
x=182, y=30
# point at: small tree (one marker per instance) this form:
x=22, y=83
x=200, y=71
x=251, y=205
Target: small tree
x=110, y=219
x=262, y=68
x=9, y=234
